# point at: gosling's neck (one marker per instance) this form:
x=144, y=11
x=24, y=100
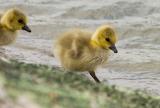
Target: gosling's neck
x=94, y=43
x=7, y=28
x=4, y=24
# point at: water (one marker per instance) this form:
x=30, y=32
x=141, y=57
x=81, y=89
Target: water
x=137, y=65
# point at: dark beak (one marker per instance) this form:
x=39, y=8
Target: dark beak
x=113, y=48
x=26, y=28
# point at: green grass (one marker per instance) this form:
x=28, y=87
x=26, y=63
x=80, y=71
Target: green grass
x=52, y=87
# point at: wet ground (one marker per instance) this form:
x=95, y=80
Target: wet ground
x=137, y=65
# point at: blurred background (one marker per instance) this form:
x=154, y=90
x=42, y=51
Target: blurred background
x=137, y=22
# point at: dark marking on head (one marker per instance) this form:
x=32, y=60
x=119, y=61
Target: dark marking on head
x=107, y=39
x=21, y=21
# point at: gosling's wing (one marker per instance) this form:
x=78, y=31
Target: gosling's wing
x=73, y=42
x=79, y=43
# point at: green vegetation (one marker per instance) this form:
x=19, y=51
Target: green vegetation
x=52, y=88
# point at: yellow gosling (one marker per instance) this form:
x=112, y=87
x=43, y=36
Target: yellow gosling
x=80, y=50
x=10, y=22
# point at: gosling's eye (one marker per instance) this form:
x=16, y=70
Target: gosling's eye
x=107, y=39
x=20, y=21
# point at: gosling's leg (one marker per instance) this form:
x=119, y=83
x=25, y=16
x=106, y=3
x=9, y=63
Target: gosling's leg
x=92, y=73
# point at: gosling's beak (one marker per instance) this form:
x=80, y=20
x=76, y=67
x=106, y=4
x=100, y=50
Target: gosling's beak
x=26, y=28
x=113, y=48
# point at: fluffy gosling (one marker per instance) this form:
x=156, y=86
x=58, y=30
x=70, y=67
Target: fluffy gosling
x=80, y=50
x=10, y=22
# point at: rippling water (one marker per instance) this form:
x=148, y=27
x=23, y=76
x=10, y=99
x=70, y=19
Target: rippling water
x=137, y=65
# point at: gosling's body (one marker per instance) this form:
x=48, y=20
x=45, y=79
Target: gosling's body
x=75, y=51
x=10, y=22
x=80, y=50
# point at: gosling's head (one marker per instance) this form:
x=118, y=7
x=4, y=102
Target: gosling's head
x=14, y=19
x=105, y=37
